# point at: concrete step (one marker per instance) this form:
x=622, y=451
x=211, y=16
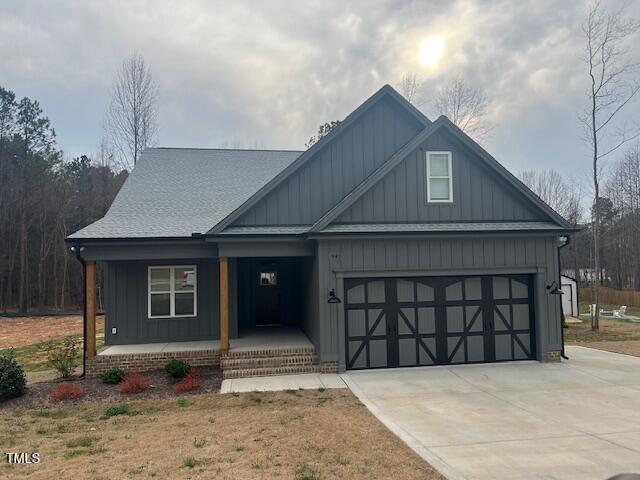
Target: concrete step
x=269, y=371
x=274, y=361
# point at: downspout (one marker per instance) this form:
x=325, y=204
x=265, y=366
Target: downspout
x=77, y=249
x=562, y=354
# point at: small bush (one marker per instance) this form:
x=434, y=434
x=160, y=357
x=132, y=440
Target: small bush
x=63, y=357
x=67, y=391
x=84, y=441
x=112, y=376
x=190, y=382
x=191, y=462
x=115, y=410
x=177, y=368
x=134, y=383
x=13, y=382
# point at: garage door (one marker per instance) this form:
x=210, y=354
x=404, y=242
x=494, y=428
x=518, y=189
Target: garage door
x=401, y=322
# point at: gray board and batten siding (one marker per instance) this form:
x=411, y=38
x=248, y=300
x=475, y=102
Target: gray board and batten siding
x=126, y=304
x=336, y=169
x=411, y=257
x=478, y=194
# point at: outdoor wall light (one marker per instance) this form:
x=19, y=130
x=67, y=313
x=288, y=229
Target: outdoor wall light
x=554, y=289
x=333, y=297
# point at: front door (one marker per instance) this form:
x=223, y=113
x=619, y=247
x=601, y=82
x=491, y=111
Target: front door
x=267, y=298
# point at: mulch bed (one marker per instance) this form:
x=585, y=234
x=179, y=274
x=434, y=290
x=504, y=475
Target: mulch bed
x=162, y=386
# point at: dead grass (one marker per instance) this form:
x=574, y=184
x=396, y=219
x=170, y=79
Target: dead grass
x=33, y=358
x=310, y=435
x=22, y=331
x=614, y=336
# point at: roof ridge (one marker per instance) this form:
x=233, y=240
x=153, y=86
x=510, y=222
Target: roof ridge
x=227, y=149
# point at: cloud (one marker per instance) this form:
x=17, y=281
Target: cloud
x=268, y=73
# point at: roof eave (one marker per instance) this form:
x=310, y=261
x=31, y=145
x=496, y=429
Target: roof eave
x=442, y=233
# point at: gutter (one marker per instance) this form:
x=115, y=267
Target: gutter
x=77, y=249
x=562, y=352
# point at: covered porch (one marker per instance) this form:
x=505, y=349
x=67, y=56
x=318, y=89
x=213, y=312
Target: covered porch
x=255, y=306
x=272, y=338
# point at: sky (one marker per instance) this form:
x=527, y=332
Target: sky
x=267, y=73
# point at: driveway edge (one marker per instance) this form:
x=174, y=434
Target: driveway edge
x=430, y=457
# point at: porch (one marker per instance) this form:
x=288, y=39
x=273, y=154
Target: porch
x=273, y=350
x=257, y=339
x=259, y=321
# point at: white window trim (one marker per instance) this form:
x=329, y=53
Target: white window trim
x=172, y=291
x=450, y=176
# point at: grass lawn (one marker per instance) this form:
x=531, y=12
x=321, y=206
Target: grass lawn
x=614, y=335
x=21, y=331
x=300, y=435
x=34, y=359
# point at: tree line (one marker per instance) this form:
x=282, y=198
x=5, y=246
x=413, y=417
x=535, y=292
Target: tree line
x=42, y=200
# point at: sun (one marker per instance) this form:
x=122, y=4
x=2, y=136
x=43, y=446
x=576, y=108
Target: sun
x=431, y=50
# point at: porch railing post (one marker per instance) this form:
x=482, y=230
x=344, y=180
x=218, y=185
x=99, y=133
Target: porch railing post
x=224, y=304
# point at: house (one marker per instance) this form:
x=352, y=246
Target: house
x=394, y=241
x=569, y=295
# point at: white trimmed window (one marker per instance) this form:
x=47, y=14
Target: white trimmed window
x=172, y=291
x=439, y=178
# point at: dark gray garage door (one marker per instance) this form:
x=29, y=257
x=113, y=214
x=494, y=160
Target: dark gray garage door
x=401, y=322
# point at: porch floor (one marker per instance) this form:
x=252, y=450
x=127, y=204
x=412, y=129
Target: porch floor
x=262, y=338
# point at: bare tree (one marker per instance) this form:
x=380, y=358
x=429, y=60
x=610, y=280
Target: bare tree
x=552, y=189
x=612, y=86
x=131, y=119
x=466, y=106
x=622, y=186
x=410, y=87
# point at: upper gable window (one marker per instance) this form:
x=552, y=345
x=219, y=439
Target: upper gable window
x=439, y=178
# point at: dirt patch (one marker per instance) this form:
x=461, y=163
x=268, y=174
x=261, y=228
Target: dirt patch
x=21, y=331
x=294, y=435
x=614, y=336
x=162, y=386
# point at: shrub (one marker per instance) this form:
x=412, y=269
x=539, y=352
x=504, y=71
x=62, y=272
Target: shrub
x=177, y=368
x=115, y=410
x=191, y=462
x=134, y=383
x=13, y=382
x=190, y=382
x=63, y=356
x=112, y=376
x=85, y=441
x=67, y=391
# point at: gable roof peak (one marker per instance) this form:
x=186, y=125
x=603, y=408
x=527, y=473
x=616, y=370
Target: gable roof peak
x=384, y=91
x=441, y=122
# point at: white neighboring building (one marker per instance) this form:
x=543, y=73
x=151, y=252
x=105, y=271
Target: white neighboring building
x=569, y=295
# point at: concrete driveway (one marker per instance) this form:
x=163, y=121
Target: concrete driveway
x=575, y=419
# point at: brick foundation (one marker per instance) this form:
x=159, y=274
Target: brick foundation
x=144, y=362
x=552, y=356
x=328, y=367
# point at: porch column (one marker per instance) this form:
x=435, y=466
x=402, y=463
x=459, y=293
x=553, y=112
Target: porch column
x=224, y=304
x=90, y=347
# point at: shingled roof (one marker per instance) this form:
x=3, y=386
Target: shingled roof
x=176, y=192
